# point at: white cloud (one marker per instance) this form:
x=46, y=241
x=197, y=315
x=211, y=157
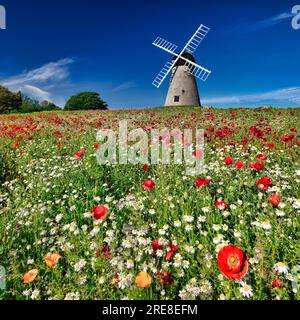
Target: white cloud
x=36, y=92
x=124, y=86
x=282, y=96
x=38, y=82
x=262, y=24
x=270, y=21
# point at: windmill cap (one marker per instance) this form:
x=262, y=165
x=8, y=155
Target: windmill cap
x=186, y=55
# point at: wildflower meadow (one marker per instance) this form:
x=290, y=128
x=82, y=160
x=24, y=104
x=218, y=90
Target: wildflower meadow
x=73, y=229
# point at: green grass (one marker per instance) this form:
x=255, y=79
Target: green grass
x=41, y=181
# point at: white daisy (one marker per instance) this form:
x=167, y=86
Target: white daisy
x=177, y=223
x=266, y=225
x=185, y=264
x=279, y=213
x=245, y=290
x=281, y=267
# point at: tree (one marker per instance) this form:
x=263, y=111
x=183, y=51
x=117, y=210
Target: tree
x=26, y=99
x=28, y=105
x=9, y=100
x=31, y=105
x=48, y=106
x=84, y=101
x=51, y=107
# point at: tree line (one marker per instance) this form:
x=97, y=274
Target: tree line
x=17, y=102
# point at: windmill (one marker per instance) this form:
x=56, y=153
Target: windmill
x=183, y=86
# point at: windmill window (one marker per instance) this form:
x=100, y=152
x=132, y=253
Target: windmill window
x=176, y=98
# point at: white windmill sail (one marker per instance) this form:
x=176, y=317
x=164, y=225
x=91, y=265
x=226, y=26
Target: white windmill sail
x=197, y=38
x=164, y=44
x=191, y=46
x=196, y=70
x=162, y=74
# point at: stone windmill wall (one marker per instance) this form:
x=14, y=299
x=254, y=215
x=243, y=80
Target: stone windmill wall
x=183, y=90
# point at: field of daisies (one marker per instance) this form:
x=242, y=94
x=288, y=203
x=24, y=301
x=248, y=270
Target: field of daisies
x=72, y=229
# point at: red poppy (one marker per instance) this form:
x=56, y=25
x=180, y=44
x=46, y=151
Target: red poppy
x=288, y=138
x=263, y=183
x=221, y=205
x=149, y=184
x=277, y=284
x=228, y=160
x=257, y=132
x=244, y=143
x=233, y=263
x=15, y=144
x=256, y=165
x=274, y=200
x=262, y=157
x=156, y=245
x=96, y=146
x=269, y=145
x=145, y=167
x=164, y=277
x=79, y=154
x=239, y=165
x=173, y=247
x=100, y=212
x=197, y=154
x=171, y=252
x=104, y=250
x=202, y=182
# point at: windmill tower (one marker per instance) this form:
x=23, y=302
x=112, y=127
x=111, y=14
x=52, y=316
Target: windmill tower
x=183, y=89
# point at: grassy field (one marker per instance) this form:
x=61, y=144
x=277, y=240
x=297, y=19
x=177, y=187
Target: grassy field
x=53, y=191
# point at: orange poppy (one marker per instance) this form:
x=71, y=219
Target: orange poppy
x=143, y=280
x=52, y=260
x=30, y=276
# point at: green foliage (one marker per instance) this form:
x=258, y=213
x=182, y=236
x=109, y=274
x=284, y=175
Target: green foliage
x=9, y=100
x=29, y=105
x=48, y=106
x=51, y=107
x=27, y=108
x=86, y=101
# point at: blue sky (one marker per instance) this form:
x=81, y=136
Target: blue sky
x=54, y=49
